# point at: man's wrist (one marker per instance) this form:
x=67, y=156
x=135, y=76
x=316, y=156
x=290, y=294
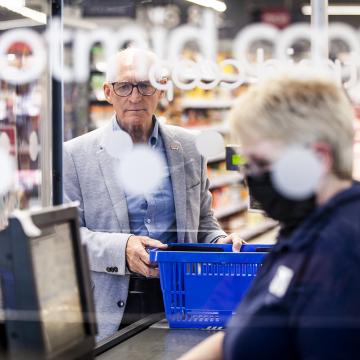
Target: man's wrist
x=127, y=267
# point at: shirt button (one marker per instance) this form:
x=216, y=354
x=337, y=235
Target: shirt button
x=148, y=221
x=120, y=304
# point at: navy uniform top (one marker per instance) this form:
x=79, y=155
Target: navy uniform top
x=305, y=301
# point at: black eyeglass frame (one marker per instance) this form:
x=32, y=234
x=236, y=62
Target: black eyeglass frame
x=132, y=88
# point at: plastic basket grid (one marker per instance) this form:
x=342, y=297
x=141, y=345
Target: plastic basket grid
x=201, y=289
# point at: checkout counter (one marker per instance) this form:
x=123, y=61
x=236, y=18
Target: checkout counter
x=150, y=339
x=46, y=306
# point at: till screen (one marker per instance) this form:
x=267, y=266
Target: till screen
x=57, y=287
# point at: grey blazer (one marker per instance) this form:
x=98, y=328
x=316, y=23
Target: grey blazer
x=90, y=179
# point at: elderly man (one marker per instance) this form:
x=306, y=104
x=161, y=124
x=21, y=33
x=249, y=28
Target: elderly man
x=118, y=226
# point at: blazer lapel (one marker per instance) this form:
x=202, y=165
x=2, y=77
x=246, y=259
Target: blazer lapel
x=108, y=166
x=175, y=159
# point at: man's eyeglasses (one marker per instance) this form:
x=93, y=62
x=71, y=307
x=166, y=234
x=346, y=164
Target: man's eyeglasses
x=126, y=88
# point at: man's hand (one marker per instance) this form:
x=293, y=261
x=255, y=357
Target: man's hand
x=234, y=239
x=138, y=258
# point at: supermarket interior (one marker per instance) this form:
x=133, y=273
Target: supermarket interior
x=202, y=215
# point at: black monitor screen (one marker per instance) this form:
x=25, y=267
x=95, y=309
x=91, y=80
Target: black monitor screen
x=57, y=286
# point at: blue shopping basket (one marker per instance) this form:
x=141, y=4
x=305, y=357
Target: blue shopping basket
x=202, y=284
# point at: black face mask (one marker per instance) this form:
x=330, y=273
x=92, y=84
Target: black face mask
x=290, y=213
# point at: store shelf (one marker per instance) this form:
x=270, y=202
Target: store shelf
x=220, y=157
x=230, y=210
x=206, y=103
x=225, y=179
x=253, y=232
x=221, y=128
x=230, y=78
x=94, y=99
x=95, y=70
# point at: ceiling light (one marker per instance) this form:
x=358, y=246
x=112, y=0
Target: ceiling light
x=214, y=4
x=19, y=8
x=335, y=10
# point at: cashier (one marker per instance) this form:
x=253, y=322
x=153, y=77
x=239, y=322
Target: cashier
x=304, y=303
x=117, y=225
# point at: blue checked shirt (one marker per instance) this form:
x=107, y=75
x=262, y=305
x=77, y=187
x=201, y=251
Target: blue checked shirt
x=153, y=214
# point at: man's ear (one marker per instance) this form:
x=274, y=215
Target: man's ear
x=107, y=92
x=324, y=152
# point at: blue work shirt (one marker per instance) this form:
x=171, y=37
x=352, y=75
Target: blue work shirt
x=153, y=214
x=305, y=301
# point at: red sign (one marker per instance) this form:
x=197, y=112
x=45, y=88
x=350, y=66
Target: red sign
x=279, y=18
x=8, y=139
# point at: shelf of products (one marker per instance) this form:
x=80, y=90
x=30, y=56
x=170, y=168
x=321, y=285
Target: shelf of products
x=216, y=159
x=203, y=119
x=226, y=179
x=23, y=110
x=221, y=128
x=198, y=103
x=229, y=193
x=252, y=226
x=251, y=232
x=202, y=110
x=230, y=210
x=99, y=110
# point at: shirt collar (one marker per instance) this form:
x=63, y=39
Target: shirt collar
x=154, y=137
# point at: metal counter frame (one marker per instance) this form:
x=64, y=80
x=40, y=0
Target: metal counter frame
x=150, y=339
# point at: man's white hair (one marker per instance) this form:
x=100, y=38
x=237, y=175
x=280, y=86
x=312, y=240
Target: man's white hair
x=140, y=60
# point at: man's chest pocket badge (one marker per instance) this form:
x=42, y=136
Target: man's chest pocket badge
x=281, y=281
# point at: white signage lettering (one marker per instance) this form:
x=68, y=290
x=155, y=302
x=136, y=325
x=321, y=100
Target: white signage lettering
x=205, y=73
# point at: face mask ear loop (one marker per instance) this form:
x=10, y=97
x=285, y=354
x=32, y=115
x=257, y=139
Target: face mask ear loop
x=310, y=147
